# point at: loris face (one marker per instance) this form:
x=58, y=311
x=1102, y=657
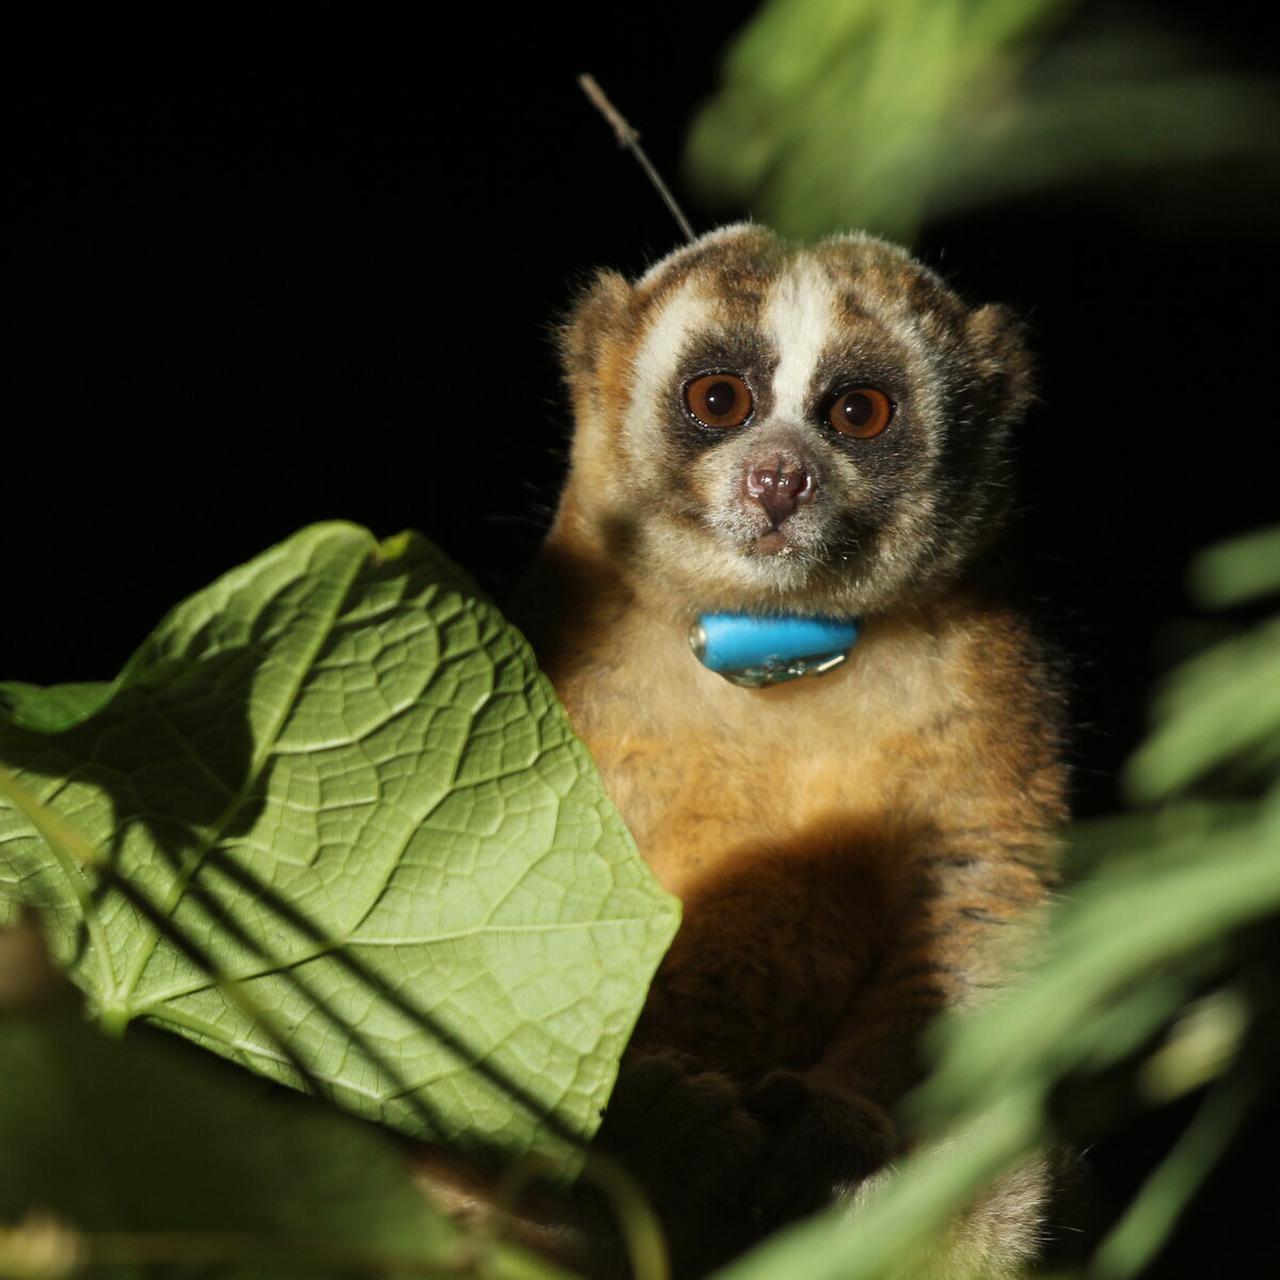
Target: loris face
x=762, y=426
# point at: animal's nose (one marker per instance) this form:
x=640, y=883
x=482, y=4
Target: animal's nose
x=779, y=487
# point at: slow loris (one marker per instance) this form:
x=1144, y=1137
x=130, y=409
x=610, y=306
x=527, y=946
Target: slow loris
x=784, y=432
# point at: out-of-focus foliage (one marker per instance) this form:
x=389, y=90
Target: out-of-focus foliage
x=883, y=114
x=1156, y=981
x=1223, y=707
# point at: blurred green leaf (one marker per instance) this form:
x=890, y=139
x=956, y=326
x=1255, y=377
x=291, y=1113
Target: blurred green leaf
x=1239, y=570
x=1223, y=704
x=1120, y=936
x=338, y=772
x=144, y=1155
x=1136, y=1239
x=881, y=115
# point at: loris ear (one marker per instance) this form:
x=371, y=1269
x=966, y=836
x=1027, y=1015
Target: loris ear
x=1003, y=362
x=599, y=312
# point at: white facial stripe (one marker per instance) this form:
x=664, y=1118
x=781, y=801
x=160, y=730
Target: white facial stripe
x=799, y=317
x=657, y=356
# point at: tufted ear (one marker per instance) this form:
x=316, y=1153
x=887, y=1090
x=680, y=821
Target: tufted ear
x=997, y=337
x=599, y=311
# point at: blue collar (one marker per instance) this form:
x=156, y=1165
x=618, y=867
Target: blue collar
x=756, y=650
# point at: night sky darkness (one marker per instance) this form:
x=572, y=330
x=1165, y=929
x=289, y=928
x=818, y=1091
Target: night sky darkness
x=262, y=277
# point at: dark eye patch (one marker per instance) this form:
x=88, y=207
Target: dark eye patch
x=874, y=361
x=739, y=351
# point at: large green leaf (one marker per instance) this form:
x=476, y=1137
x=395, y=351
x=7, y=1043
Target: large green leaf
x=338, y=772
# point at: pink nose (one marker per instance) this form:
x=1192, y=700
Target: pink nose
x=779, y=488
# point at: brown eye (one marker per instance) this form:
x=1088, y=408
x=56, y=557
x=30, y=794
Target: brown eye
x=862, y=412
x=719, y=400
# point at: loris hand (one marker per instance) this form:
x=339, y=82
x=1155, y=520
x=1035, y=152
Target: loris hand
x=682, y=1131
x=824, y=1144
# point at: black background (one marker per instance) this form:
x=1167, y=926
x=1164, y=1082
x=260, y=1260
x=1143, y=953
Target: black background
x=265, y=276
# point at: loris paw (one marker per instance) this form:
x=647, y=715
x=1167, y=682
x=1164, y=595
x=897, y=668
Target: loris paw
x=825, y=1144
x=682, y=1130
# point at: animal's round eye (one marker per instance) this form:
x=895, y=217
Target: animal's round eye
x=719, y=400
x=861, y=412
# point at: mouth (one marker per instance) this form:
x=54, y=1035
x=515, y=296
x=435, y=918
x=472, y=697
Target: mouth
x=773, y=543
x=747, y=536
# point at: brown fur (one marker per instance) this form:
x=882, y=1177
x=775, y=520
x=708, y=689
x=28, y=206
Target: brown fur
x=855, y=852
